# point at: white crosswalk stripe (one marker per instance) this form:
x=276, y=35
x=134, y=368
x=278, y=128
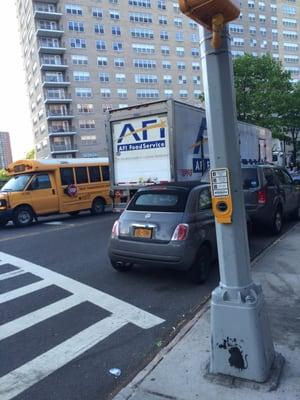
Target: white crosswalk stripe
x=122, y=313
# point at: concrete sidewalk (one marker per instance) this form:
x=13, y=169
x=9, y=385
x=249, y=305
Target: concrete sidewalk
x=177, y=372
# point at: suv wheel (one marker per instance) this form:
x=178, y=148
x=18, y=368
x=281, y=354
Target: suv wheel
x=121, y=266
x=277, y=221
x=200, y=269
x=98, y=206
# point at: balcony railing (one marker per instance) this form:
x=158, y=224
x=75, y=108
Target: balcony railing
x=58, y=148
x=50, y=31
x=47, y=11
x=67, y=130
x=60, y=115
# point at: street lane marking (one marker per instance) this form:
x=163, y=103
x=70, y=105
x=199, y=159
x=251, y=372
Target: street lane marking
x=13, y=294
x=22, y=378
x=135, y=315
x=11, y=274
x=28, y=374
x=35, y=317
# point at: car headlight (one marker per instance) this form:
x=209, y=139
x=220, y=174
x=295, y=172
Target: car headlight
x=3, y=203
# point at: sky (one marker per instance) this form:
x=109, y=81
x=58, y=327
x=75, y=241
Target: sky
x=14, y=105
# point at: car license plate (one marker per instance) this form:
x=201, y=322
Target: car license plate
x=145, y=233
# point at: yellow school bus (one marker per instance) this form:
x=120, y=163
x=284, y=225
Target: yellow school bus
x=44, y=187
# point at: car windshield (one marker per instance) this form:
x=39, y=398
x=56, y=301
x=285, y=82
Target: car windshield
x=250, y=178
x=16, y=183
x=159, y=200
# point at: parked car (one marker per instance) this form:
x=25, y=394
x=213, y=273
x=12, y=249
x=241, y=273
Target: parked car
x=168, y=226
x=270, y=195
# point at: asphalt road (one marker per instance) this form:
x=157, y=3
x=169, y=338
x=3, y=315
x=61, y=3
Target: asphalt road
x=67, y=317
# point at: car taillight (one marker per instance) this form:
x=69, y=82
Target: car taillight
x=115, y=229
x=261, y=197
x=180, y=232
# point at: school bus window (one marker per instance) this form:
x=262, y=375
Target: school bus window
x=105, y=172
x=81, y=175
x=40, y=182
x=66, y=175
x=94, y=174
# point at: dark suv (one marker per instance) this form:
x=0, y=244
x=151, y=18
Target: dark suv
x=270, y=195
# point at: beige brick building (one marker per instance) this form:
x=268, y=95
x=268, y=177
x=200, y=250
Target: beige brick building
x=84, y=57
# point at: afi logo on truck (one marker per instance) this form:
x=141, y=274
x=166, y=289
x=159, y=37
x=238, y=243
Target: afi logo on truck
x=200, y=164
x=151, y=135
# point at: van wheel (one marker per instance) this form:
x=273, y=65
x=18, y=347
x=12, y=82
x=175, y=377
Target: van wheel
x=276, y=225
x=23, y=216
x=201, y=267
x=121, y=266
x=98, y=206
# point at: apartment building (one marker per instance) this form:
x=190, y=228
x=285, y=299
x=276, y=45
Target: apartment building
x=269, y=26
x=5, y=150
x=84, y=57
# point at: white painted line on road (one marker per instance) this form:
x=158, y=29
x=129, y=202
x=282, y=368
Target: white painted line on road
x=35, y=317
x=13, y=294
x=22, y=378
x=53, y=223
x=132, y=314
x=11, y=274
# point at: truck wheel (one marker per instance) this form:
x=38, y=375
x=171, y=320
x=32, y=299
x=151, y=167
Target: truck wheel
x=201, y=267
x=23, y=216
x=121, y=266
x=276, y=225
x=98, y=206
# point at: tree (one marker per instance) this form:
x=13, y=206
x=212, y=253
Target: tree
x=262, y=86
x=291, y=117
x=3, y=175
x=30, y=155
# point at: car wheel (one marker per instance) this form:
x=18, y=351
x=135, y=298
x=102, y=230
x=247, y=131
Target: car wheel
x=23, y=216
x=73, y=213
x=277, y=222
x=201, y=267
x=98, y=206
x=121, y=266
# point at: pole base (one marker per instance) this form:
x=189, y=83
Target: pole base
x=241, y=342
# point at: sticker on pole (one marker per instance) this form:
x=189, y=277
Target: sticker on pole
x=221, y=196
x=220, y=182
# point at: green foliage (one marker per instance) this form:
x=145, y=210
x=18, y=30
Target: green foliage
x=3, y=175
x=262, y=87
x=30, y=155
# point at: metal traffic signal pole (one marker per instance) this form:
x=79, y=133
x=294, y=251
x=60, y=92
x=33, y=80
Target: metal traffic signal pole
x=241, y=342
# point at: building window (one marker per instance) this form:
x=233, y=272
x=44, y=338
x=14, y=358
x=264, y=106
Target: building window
x=81, y=76
x=166, y=64
x=114, y=14
x=76, y=26
x=79, y=60
x=182, y=80
x=162, y=20
x=167, y=79
x=140, y=3
x=179, y=36
x=119, y=62
x=100, y=45
x=104, y=77
x=168, y=93
x=147, y=93
x=102, y=61
x=165, y=50
x=161, y=4
x=96, y=12
x=195, y=51
x=73, y=9
x=105, y=92
x=142, y=33
x=142, y=63
x=180, y=51
x=87, y=124
x=181, y=65
x=99, y=28
x=120, y=78
x=143, y=48
x=146, y=79
x=140, y=17
x=85, y=108
x=117, y=46
x=84, y=93
x=78, y=43
x=183, y=94
x=91, y=139
x=116, y=31
x=122, y=93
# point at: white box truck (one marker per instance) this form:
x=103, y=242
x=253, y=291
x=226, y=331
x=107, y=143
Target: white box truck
x=166, y=141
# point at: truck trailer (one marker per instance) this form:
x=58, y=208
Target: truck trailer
x=167, y=141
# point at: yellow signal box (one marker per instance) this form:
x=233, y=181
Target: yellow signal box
x=221, y=195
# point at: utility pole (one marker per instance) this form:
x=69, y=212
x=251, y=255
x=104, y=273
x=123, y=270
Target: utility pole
x=241, y=342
